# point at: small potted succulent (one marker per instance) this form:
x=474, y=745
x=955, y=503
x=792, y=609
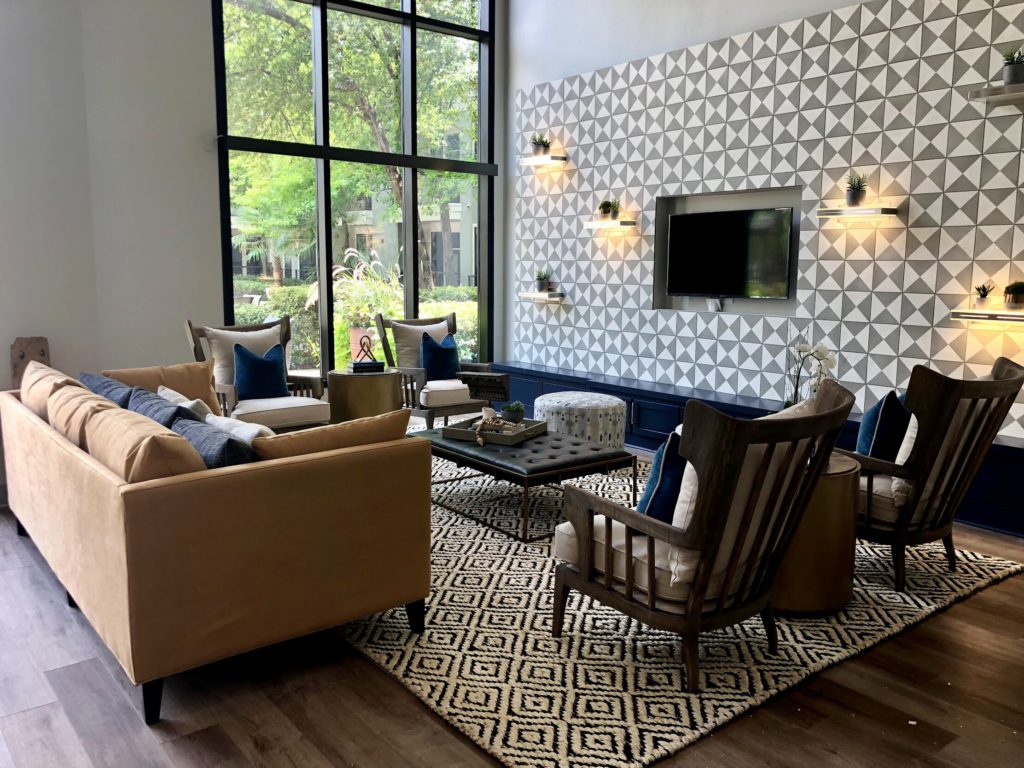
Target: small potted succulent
x=856, y=189
x=982, y=293
x=514, y=412
x=541, y=144
x=543, y=277
x=608, y=209
x=1013, y=295
x=1013, y=66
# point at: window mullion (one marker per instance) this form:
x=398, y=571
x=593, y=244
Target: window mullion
x=325, y=230
x=410, y=181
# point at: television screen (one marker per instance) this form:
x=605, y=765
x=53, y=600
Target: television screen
x=730, y=254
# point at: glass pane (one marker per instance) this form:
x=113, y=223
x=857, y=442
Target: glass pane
x=269, y=65
x=447, y=96
x=394, y=5
x=273, y=234
x=365, y=83
x=465, y=12
x=449, y=253
x=367, y=246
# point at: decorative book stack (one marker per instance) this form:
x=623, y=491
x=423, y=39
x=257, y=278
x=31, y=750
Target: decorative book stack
x=366, y=366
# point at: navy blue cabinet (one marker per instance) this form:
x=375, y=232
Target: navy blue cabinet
x=653, y=418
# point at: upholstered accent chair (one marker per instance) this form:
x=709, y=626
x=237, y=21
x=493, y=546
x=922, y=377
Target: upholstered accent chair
x=476, y=385
x=715, y=568
x=914, y=499
x=304, y=406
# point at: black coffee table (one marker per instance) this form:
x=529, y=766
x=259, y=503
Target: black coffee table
x=542, y=460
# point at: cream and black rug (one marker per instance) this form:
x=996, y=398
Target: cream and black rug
x=609, y=692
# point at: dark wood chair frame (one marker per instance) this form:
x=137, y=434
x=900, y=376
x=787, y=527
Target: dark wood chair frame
x=485, y=386
x=934, y=399
x=716, y=445
x=298, y=386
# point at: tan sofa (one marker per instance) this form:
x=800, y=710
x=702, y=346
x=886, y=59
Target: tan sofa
x=182, y=571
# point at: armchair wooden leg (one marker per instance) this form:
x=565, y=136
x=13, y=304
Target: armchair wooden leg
x=947, y=541
x=899, y=564
x=429, y=419
x=561, y=598
x=152, y=697
x=770, y=630
x=417, y=613
x=20, y=529
x=691, y=656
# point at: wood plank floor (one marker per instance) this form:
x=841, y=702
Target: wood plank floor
x=949, y=692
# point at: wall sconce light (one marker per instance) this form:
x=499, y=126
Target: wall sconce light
x=867, y=214
x=544, y=161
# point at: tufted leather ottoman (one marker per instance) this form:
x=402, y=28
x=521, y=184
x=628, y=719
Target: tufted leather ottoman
x=586, y=415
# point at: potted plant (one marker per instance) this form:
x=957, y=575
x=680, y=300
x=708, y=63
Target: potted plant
x=856, y=189
x=1013, y=295
x=1013, y=66
x=608, y=209
x=543, y=278
x=514, y=412
x=982, y=293
x=541, y=144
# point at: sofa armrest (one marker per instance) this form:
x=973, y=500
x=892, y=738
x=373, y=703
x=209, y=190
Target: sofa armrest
x=224, y=561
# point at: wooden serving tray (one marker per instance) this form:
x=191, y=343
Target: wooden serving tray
x=464, y=430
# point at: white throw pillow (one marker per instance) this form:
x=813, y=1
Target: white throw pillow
x=241, y=430
x=409, y=337
x=222, y=346
x=900, y=486
x=201, y=409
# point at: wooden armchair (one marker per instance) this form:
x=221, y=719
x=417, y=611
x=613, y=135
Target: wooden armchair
x=305, y=409
x=484, y=385
x=914, y=499
x=754, y=481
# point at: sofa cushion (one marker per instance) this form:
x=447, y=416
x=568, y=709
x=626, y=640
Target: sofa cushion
x=440, y=359
x=162, y=411
x=70, y=409
x=260, y=376
x=372, y=429
x=408, y=338
x=40, y=381
x=222, y=348
x=216, y=447
x=116, y=391
x=281, y=412
x=194, y=380
x=444, y=392
x=198, y=407
x=240, y=430
x=137, y=448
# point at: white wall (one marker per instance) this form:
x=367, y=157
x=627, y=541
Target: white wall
x=548, y=41
x=47, y=285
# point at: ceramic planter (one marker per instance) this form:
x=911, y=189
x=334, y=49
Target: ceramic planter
x=981, y=303
x=541, y=150
x=514, y=416
x=1013, y=74
x=855, y=197
x=542, y=285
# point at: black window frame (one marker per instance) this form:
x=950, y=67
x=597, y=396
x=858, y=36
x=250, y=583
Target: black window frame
x=322, y=152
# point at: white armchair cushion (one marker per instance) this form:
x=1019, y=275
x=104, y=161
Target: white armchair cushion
x=444, y=392
x=280, y=412
x=884, y=503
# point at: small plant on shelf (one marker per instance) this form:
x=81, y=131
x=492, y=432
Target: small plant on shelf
x=543, y=278
x=608, y=209
x=541, y=144
x=856, y=188
x=1013, y=294
x=982, y=292
x=1013, y=66
x=514, y=412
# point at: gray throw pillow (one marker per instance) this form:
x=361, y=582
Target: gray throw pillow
x=408, y=338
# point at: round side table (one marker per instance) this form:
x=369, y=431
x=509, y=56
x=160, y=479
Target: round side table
x=816, y=575
x=586, y=415
x=355, y=395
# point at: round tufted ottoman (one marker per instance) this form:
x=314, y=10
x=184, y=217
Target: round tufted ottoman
x=586, y=415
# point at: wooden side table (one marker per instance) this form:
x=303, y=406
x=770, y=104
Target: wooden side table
x=816, y=575
x=355, y=395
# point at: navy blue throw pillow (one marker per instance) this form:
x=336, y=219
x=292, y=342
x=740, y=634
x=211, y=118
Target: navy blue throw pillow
x=258, y=377
x=440, y=360
x=162, y=411
x=659, y=499
x=112, y=389
x=883, y=427
x=217, y=447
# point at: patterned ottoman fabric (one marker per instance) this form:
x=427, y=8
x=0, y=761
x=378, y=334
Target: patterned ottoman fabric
x=586, y=415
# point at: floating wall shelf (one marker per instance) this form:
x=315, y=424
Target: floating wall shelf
x=544, y=161
x=610, y=224
x=543, y=297
x=861, y=213
x=999, y=95
x=997, y=313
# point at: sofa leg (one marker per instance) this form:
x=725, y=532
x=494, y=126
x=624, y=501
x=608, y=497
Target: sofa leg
x=417, y=613
x=71, y=600
x=152, y=696
x=20, y=529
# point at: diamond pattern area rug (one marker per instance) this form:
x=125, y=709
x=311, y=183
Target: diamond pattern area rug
x=609, y=692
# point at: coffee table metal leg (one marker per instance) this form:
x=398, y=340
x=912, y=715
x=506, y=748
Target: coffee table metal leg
x=526, y=512
x=634, y=481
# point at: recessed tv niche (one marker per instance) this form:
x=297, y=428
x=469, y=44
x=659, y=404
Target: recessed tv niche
x=743, y=254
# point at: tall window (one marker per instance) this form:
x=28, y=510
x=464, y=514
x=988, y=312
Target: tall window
x=357, y=171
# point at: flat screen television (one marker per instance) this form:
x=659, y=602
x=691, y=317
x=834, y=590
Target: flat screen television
x=731, y=254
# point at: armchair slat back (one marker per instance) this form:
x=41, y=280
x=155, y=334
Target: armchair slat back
x=196, y=333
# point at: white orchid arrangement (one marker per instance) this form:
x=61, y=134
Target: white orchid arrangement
x=822, y=363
